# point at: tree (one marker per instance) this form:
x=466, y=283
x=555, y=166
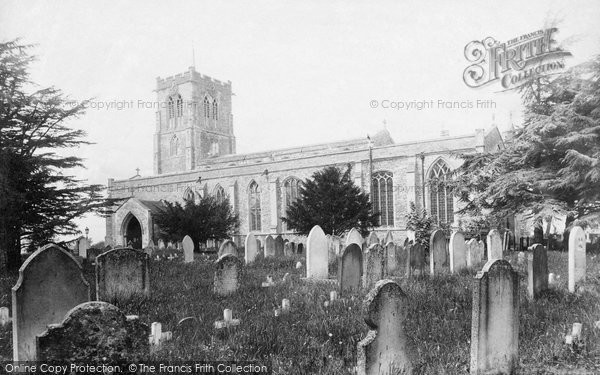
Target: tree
x=210, y=218
x=331, y=200
x=552, y=166
x=421, y=223
x=39, y=198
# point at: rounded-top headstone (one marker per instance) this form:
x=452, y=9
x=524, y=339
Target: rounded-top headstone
x=250, y=248
x=228, y=247
x=354, y=236
x=317, y=254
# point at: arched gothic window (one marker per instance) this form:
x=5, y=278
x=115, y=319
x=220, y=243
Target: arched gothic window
x=179, y=106
x=440, y=197
x=170, y=108
x=206, y=107
x=215, y=108
x=219, y=193
x=254, y=206
x=382, y=195
x=290, y=194
x=174, y=146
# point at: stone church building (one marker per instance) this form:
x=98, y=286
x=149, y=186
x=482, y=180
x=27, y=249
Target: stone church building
x=194, y=155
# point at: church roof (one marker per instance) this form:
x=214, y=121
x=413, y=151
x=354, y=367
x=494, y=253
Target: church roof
x=153, y=206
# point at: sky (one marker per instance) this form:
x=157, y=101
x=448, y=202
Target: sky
x=303, y=72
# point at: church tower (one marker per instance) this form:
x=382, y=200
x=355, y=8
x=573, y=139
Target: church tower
x=194, y=121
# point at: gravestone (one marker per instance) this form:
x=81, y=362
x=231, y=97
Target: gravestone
x=372, y=239
x=474, y=253
x=350, y=268
x=354, y=236
x=537, y=271
x=92, y=253
x=416, y=256
x=188, y=249
x=336, y=243
x=458, y=252
x=300, y=248
x=4, y=316
x=228, y=247
x=386, y=348
x=391, y=260
x=494, y=245
x=507, y=241
x=250, y=248
x=495, y=320
x=227, y=274
x=279, y=246
x=375, y=265
x=121, y=274
x=269, y=246
x=317, y=254
x=50, y=283
x=161, y=244
x=287, y=249
x=93, y=332
x=388, y=237
x=82, y=246
x=438, y=257
x=150, y=248
x=577, y=261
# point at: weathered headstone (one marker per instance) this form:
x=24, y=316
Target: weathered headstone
x=388, y=237
x=474, y=255
x=495, y=320
x=287, y=249
x=391, y=260
x=269, y=246
x=416, y=256
x=354, y=236
x=375, y=265
x=227, y=274
x=438, y=257
x=458, y=252
x=121, y=274
x=537, y=271
x=50, y=283
x=4, y=316
x=507, y=241
x=188, y=249
x=250, y=248
x=300, y=248
x=372, y=239
x=317, y=254
x=279, y=246
x=494, y=245
x=94, y=331
x=228, y=247
x=350, y=268
x=161, y=244
x=82, y=246
x=386, y=348
x=577, y=260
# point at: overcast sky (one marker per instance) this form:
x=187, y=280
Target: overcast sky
x=302, y=72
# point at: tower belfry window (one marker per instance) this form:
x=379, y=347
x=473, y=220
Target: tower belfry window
x=170, y=108
x=215, y=110
x=206, y=107
x=179, y=106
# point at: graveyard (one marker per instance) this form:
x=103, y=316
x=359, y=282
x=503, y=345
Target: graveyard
x=314, y=321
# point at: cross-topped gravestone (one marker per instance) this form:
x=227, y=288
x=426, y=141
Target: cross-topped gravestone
x=386, y=348
x=354, y=236
x=188, y=249
x=495, y=320
x=350, y=268
x=50, y=283
x=577, y=260
x=494, y=245
x=269, y=246
x=375, y=265
x=438, y=256
x=537, y=271
x=317, y=254
x=250, y=248
x=122, y=273
x=227, y=274
x=458, y=252
x=94, y=331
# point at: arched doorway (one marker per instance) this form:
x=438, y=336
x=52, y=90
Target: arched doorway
x=133, y=233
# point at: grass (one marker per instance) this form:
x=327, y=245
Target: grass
x=313, y=339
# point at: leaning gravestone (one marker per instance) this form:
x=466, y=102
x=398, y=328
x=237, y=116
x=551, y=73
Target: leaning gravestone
x=82, y=247
x=95, y=332
x=537, y=271
x=391, y=260
x=227, y=274
x=228, y=247
x=577, y=261
x=386, y=348
x=494, y=245
x=188, y=249
x=350, y=268
x=50, y=283
x=495, y=320
x=317, y=254
x=372, y=239
x=457, y=252
x=375, y=265
x=251, y=248
x=354, y=236
x=279, y=246
x=269, y=246
x=121, y=274
x=438, y=257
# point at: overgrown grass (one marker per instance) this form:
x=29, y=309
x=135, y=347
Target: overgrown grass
x=313, y=339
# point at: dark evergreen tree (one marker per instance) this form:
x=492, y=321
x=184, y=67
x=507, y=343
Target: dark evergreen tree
x=331, y=200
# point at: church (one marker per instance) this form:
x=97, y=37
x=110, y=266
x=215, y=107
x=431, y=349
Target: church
x=195, y=155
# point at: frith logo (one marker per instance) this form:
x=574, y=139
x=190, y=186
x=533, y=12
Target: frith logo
x=513, y=62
